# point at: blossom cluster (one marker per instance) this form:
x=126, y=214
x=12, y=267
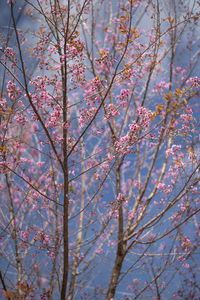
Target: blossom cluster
x=194, y=81
x=54, y=117
x=86, y=115
x=159, y=87
x=123, y=97
x=78, y=71
x=9, y=52
x=105, y=61
x=13, y=91
x=124, y=144
x=91, y=88
x=174, y=149
x=73, y=50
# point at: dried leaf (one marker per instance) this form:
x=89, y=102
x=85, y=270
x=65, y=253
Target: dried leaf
x=10, y=295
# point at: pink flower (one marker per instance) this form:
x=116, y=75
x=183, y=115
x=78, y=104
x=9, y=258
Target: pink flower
x=160, y=185
x=186, y=265
x=195, y=82
x=136, y=281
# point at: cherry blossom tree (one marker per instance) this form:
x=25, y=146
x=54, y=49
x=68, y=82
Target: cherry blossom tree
x=100, y=150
